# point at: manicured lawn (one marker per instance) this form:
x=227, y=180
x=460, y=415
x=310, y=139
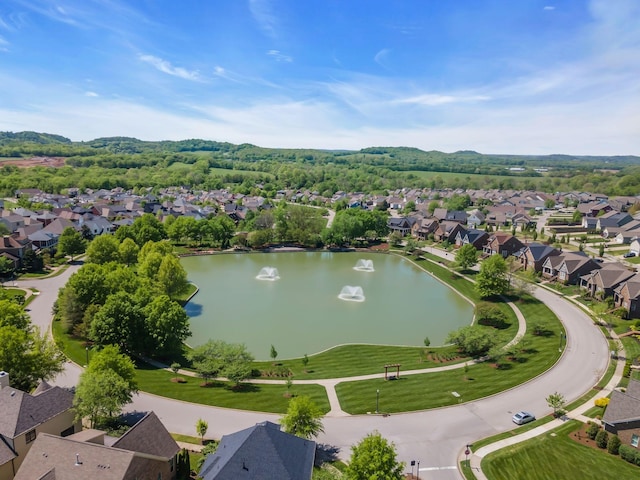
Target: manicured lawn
x=556, y=456
x=261, y=398
x=430, y=390
x=73, y=348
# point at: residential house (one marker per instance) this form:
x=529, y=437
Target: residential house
x=503, y=244
x=459, y=216
x=475, y=218
x=261, y=452
x=402, y=225
x=593, y=208
x=568, y=267
x=145, y=452
x=14, y=247
x=475, y=237
x=627, y=296
x=25, y=416
x=602, y=282
x=423, y=228
x=635, y=246
x=535, y=254
x=447, y=231
x=613, y=219
x=622, y=416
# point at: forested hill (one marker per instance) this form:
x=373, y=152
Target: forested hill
x=21, y=144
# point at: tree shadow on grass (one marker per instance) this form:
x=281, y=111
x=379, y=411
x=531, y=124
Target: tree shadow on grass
x=243, y=388
x=326, y=453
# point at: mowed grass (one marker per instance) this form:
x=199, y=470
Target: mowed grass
x=256, y=397
x=556, y=456
x=430, y=390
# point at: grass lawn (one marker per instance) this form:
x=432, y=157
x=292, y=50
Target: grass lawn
x=556, y=456
x=261, y=398
x=418, y=392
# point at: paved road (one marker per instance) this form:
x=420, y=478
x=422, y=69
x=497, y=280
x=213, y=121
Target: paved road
x=435, y=437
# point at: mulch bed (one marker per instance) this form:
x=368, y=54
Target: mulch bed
x=582, y=438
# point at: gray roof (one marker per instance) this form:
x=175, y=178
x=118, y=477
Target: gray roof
x=540, y=251
x=6, y=452
x=149, y=436
x=20, y=411
x=261, y=452
x=624, y=406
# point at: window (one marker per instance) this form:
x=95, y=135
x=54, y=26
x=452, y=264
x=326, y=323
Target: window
x=635, y=439
x=68, y=431
x=31, y=435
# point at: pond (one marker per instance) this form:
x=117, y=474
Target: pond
x=306, y=302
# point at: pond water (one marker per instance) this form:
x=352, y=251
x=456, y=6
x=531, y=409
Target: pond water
x=298, y=302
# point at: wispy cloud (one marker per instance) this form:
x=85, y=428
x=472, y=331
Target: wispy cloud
x=166, y=67
x=91, y=94
x=381, y=56
x=549, y=7
x=279, y=56
x=262, y=13
x=4, y=44
x=430, y=99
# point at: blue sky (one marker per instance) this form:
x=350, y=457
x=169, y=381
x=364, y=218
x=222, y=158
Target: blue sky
x=496, y=76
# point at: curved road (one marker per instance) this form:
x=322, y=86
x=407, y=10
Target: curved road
x=435, y=437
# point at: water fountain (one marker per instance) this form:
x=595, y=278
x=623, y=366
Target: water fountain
x=363, y=265
x=268, y=273
x=351, y=294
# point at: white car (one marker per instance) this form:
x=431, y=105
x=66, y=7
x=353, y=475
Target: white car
x=523, y=417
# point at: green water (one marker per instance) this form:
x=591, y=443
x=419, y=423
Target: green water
x=301, y=312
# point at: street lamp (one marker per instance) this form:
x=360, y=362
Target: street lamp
x=377, y=400
x=87, y=349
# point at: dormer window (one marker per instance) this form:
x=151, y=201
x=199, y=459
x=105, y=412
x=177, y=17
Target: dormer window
x=31, y=435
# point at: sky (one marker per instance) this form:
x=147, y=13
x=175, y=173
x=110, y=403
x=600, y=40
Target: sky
x=495, y=76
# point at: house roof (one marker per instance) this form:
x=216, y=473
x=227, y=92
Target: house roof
x=539, y=251
x=20, y=411
x=624, y=406
x=149, y=436
x=261, y=452
x=73, y=460
x=6, y=452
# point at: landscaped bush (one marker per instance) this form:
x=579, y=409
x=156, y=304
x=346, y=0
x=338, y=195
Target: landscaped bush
x=602, y=438
x=602, y=402
x=593, y=430
x=613, y=447
x=630, y=454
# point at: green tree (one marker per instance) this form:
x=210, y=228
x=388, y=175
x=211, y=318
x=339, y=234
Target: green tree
x=303, y=418
x=557, y=402
x=273, y=353
x=103, y=249
x=172, y=277
x=473, y=340
x=237, y=362
x=374, y=458
x=492, y=279
x=601, y=250
x=13, y=314
x=147, y=228
x=467, y=256
x=305, y=360
x=201, y=428
x=7, y=267
x=100, y=395
x=128, y=252
x=490, y=314
x=120, y=322
x=208, y=359
x=28, y=357
x=166, y=326
x=110, y=358
x=71, y=243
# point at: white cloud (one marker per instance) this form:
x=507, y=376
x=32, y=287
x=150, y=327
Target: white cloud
x=262, y=13
x=549, y=7
x=166, y=67
x=279, y=56
x=91, y=94
x=430, y=99
x=381, y=57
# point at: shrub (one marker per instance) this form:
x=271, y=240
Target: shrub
x=593, y=430
x=602, y=438
x=602, y=402
x=626, y=372
x=628, y=453
x=613, y=447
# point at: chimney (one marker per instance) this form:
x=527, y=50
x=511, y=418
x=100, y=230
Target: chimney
x=4, y=379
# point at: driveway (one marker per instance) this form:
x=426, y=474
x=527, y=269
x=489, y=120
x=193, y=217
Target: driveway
x=435, y=437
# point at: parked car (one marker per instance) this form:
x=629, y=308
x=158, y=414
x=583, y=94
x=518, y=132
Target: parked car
x=523, y=417
x=629, y=254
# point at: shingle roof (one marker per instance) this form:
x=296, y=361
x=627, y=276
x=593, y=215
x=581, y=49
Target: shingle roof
x=149, y=436
x=6, y=452
x=261, y=452
x=624, y=407
x=20, y=412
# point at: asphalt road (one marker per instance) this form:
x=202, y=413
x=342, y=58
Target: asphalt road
x=435, y=438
